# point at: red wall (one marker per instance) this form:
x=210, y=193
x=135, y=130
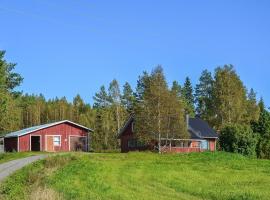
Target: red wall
x=128, y=134
x=64, y=130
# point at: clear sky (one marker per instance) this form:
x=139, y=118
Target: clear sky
x=66, y=47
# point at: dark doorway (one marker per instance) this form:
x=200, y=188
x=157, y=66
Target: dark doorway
x=35, y=143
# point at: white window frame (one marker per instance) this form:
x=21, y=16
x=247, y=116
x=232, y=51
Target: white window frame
x=46, y=138
x=57, y=145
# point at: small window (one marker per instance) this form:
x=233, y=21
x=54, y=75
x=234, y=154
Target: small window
x=132, y=127
x=56, y=141
x=132, y=143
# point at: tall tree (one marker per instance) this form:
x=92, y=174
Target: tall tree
x=157, y=116
x=101, y=98
x=128, y=98
x=187, y=92
x=8, y=78
x=229, y=95
x=9, y=109
x=115, y=100
x=252, y=108
x=204, y=96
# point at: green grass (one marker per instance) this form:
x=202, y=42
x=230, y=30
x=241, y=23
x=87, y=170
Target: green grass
x=148, y=176
x=5, y=157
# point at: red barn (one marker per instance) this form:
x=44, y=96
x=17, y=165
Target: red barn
x=202, y=138
x=54, y=137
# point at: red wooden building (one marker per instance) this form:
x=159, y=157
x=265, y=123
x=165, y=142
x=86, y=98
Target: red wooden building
x=202, y=138
x=54, y=137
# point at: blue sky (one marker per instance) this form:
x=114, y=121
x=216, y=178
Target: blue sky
x=67, y=47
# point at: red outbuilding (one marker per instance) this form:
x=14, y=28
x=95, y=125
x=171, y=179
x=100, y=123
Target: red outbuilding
x=54, y=137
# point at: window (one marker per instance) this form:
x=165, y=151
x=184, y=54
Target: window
x=56, y=141
x=132, y=143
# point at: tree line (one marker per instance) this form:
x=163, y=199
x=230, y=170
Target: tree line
x=219, y=97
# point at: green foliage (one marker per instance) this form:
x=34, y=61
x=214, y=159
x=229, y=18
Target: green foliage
x=8, y=78
x=159, y=113
x=262, y=128
x=204, y=96
x=187, y=92
x=222, y=176
x=238, y=139
x=229, y=97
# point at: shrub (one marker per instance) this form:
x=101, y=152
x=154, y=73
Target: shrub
x=238, y=139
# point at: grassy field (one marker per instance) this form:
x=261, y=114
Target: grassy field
x=5, y=157
x=142, y=176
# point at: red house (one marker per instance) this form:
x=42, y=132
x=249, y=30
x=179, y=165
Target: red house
x=202, y=138
x=54, y=137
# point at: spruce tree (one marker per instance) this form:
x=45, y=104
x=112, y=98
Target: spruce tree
x=203, y=96
x=187, y=92
x=128, y=98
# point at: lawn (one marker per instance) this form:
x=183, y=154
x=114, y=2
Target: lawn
x=5, y=157
x=142, y=176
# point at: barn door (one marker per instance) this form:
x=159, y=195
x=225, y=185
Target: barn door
x=50, y=146
x=78, y=143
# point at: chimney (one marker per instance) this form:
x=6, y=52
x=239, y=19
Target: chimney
x=187, y=120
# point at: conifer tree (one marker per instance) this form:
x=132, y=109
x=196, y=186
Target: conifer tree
x=204, y=96
x=187, y=92
x=128, y=98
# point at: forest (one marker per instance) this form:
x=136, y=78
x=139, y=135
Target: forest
x=219, y=97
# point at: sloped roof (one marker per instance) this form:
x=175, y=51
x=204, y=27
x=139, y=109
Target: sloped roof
x=40, y=127
x=200, y=129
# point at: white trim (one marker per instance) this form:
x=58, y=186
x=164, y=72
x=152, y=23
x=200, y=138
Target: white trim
x=50, y=125
x=40, y=142
x=76, y=136
x=18, y=144
x=46, y=138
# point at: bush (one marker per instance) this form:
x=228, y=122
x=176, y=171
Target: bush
x=238, y=139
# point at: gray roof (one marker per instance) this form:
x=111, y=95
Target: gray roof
x=199, y=128
x=36, y=128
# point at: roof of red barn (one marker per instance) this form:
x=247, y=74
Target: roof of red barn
x=40, y=127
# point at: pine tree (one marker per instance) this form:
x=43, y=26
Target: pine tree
x=187, y=92
x=204, y=95
x=128, y=98
x=101, y=98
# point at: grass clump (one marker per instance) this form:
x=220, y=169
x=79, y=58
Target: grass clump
x=30, y=182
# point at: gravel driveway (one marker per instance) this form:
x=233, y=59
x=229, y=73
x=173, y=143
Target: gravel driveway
x=10, y=167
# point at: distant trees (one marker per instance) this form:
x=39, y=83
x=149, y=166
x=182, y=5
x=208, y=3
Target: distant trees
x=220, y=98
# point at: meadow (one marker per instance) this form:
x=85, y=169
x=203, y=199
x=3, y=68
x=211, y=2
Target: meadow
x=148, y=176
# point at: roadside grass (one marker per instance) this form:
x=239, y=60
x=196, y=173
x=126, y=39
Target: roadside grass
x=30, y=182
x=217, y=176
x=5, y=157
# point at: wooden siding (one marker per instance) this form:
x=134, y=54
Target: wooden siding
x=63, y=130
x=129, y=135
